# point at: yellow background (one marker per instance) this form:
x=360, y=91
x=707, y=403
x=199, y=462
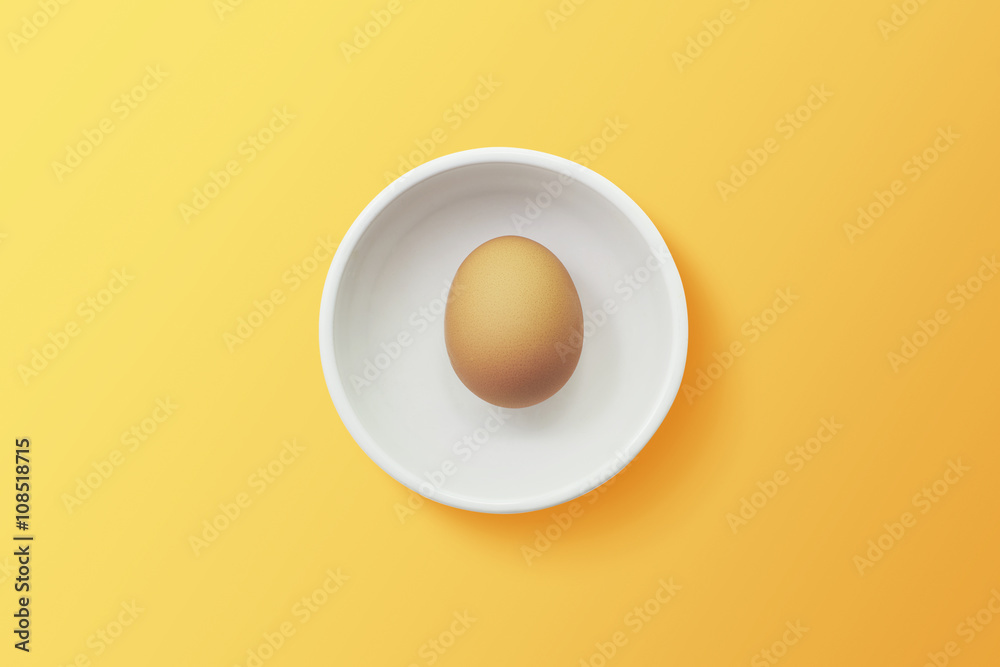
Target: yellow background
x=666, y=516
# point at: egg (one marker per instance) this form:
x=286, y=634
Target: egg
x=513, y=322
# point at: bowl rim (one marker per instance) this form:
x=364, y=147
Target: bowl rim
x=623, y=454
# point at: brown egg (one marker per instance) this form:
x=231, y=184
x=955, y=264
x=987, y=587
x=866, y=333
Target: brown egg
x=513, y=323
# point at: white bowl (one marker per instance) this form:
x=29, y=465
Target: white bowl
x=381, y=333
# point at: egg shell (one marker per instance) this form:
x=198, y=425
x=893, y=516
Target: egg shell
x=513, y=322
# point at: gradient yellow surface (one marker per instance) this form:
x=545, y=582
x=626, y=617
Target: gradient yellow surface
x=152, y=411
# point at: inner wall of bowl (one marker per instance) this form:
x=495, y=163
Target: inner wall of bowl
x=389, y=336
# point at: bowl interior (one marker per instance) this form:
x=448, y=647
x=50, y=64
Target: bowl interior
x=410, y=412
